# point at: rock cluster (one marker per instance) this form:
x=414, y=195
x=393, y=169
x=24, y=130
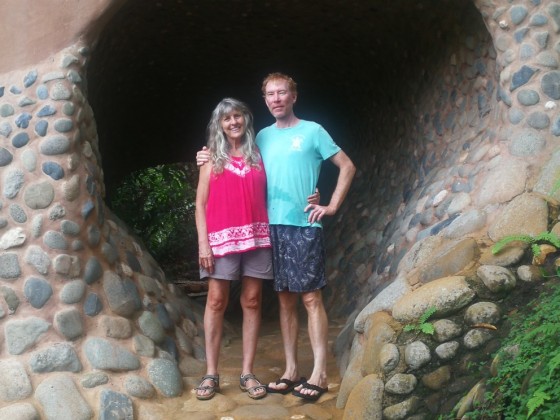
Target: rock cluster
x=428, y=375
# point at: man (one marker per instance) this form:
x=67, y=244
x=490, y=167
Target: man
x=292, y=151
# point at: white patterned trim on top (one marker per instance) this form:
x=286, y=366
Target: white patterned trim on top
x=237, y=171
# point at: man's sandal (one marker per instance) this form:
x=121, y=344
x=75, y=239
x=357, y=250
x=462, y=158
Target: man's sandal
x=290, y=385
x=210, y=388
x=253, y=391
x=311, y=387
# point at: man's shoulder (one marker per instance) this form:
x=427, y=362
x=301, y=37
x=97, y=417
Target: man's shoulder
x=312, y=127
x=265, y=129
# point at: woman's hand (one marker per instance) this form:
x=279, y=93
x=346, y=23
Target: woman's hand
x=206, y=258
x=313, y=198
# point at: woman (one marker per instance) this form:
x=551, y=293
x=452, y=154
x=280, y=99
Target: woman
x=233, y=237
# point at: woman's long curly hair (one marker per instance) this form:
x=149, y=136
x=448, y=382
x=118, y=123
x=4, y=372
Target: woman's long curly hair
x=218, y=144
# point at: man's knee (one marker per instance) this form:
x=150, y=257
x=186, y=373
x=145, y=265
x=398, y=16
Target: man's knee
x=312, y=300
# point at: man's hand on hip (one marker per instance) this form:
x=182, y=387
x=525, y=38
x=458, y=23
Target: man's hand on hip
x=316, y=212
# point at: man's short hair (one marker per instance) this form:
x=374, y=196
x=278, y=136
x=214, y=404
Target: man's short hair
x=292, y=85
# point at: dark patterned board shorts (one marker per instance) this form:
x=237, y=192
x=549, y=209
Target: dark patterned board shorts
x=298, y=256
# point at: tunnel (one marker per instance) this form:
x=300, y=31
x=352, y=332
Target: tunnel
x=363, y=70
x=159, y=68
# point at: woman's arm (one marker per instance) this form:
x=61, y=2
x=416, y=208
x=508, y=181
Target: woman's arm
x=205, y=256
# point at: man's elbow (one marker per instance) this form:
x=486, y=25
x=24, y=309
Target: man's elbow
x=350, y=169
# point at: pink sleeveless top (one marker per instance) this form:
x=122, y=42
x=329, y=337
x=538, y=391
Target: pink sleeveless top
x=236, y=216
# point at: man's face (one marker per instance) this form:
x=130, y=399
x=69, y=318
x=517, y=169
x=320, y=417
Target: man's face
x=279, y=99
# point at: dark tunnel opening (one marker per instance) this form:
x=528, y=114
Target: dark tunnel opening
x=160, y=67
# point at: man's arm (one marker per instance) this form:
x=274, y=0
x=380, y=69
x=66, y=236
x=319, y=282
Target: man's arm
x=345, y=175
x=202, y=156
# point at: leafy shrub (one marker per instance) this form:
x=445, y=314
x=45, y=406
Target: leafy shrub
x=158, y=203
x=526, y=385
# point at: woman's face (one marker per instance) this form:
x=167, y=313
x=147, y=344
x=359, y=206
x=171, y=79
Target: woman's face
x=233, y=124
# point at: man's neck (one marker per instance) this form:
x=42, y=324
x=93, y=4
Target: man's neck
x=287, y=122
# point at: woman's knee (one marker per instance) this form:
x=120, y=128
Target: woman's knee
x=218, y=295
x=251, y=293
x=216, y=303
x=251, y=301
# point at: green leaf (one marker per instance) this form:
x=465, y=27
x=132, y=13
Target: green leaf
x=536, y=401
x=536, y=249
x=427, y=328
x=549, y=237
x=427, y=314
x=553, y=364
x=498, y=246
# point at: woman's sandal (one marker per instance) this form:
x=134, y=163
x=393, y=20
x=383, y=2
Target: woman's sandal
x=253, y=390
x=210, y=388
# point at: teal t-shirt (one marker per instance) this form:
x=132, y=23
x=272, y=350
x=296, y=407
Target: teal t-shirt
x=292, y=159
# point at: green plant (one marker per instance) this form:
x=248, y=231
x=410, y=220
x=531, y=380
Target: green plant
x=526, y=383
x=422, y=325
x=545, y=274
x=537, y=400
x=534, y=241
x=158, y=203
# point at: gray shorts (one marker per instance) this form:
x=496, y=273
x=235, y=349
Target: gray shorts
x=256, y=263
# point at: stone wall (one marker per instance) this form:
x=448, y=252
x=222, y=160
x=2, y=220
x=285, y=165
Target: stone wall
x=455, y=147
x=439, y=133
x=84, y=304
x=481, y=165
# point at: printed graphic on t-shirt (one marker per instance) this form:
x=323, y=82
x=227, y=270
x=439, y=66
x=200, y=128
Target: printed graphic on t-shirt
x=296, y=143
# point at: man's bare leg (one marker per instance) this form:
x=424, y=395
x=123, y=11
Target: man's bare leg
x=318, y=327
x=289, y=327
